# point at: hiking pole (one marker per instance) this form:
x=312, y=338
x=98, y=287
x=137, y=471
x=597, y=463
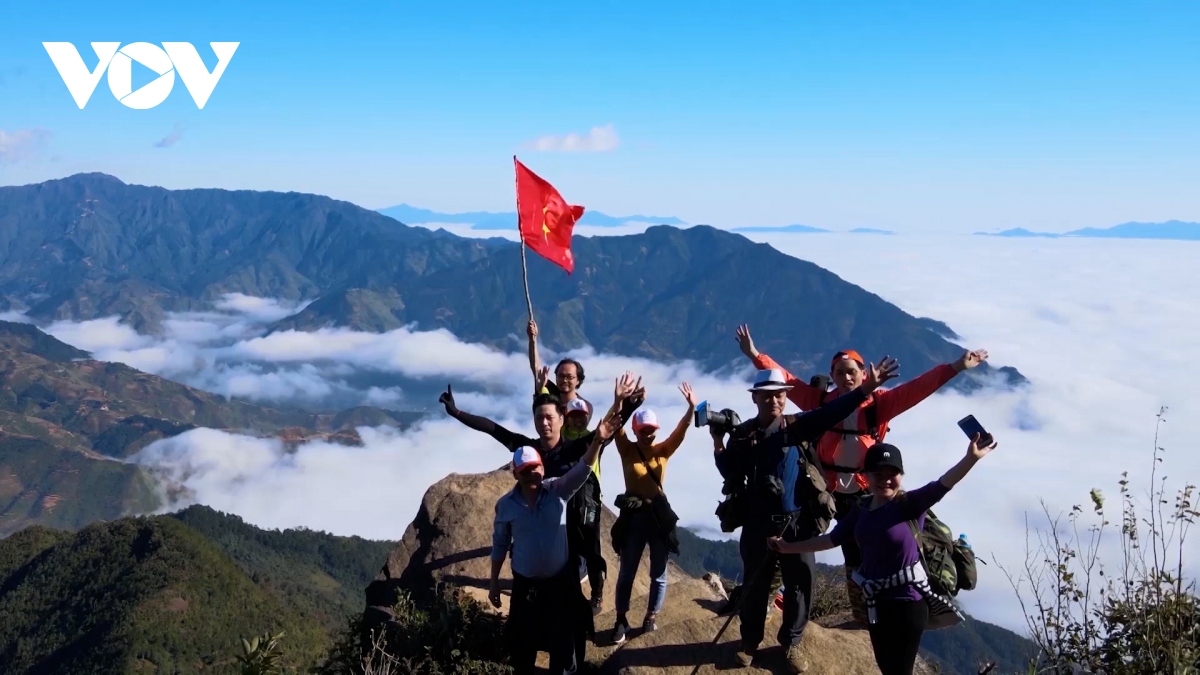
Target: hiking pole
x=737, y=606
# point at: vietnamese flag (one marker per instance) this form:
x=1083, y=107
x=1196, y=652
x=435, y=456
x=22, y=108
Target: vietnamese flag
x=544, y=218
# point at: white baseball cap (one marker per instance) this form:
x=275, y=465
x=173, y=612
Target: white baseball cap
x=577, y=405
x=526, y=457
x=643, y=419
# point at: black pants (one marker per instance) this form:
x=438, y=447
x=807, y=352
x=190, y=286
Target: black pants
x=896, y=634
x=583, y=541
x=758, y=566
x=845, y=503
x=545, y=615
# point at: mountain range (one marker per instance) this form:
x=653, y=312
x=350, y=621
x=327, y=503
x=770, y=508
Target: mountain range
x=490, y=220
x=107, y=591
x=804, y=229
x=1172, y=229
x=66, y=421
x=90, y=246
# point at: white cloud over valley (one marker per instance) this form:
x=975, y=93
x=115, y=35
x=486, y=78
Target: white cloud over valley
x=1103, y=330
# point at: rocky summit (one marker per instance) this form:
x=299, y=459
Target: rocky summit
x=449, y=542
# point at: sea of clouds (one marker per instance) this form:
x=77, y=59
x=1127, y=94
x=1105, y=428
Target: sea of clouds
x=1103, y=329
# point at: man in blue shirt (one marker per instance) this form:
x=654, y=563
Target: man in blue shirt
x=547, y=605
x=764, y=460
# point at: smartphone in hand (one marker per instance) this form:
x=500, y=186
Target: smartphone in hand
x=971, y=426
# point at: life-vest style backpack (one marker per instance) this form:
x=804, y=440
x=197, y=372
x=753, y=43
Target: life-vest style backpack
x=949, y=562
x=870, y=416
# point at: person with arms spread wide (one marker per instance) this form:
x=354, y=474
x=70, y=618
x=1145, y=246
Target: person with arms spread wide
x=767, y=459
x=842, y=449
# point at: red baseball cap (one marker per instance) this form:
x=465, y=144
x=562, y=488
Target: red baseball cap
x=847, y=354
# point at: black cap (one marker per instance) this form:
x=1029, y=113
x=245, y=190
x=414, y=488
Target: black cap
x=883, y=455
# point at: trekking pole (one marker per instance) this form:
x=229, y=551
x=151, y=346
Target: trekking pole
x=737, y=606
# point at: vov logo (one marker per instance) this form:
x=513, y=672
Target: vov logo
x=167, y=60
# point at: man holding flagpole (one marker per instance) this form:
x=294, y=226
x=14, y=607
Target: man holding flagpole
x=546, y=223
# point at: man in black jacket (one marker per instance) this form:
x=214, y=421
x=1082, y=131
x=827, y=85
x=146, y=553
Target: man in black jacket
x=559, y=455
x=765, y=459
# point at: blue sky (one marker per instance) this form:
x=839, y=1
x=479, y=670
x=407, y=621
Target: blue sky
x=918, y=117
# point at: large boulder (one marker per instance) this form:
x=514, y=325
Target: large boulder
x=450, y=542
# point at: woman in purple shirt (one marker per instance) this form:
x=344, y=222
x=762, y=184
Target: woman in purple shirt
x=899, y=608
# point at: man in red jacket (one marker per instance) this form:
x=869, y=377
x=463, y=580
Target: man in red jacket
x=842, y=449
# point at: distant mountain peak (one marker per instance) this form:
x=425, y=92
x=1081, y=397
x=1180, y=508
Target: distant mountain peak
x=495, y=220
x=1177, y=230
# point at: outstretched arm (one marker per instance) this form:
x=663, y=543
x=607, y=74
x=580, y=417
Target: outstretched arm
x=814, y=545
x=804, y=395
x=811, y=425
x=505, y=437
x=975, y=452
x=535, y=363
x=669, y=446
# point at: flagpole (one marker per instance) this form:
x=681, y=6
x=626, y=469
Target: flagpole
x=525, y=273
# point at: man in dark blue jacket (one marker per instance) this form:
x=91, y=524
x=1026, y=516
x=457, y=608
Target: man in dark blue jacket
x=765, y=461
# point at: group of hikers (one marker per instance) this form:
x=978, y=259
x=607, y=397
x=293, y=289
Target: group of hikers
x=786, y=478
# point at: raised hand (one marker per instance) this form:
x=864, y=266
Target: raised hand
x=542, y=377
x=686, y=390
x=532, y=330
x=977, y=450
x=971, y=359
x=887, y=369
x=447, y=400
x=746, y=342
x=608, y=426
x=625, y=386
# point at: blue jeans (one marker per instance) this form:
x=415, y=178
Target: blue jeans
x=643, y=531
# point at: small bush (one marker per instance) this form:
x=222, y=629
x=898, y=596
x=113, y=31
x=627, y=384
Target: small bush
x=1134, y=614
x=453, y=635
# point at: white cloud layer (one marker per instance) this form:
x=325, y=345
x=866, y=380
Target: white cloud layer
x=597, y=139
x=1103, y=329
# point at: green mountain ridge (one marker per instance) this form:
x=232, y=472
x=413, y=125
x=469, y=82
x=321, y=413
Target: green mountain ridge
x=90, y=246
x=174, y=593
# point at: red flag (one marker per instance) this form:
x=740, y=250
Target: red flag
x=545, y=220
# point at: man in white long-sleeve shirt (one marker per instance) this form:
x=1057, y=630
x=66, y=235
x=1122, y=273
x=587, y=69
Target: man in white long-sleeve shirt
x=547, y=601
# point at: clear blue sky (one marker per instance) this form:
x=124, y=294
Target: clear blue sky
x=914, y=116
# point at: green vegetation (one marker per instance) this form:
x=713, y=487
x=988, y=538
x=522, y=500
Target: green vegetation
x=319, y=575
x=1127, y=609
x=450, y=635
x=138, y=593
x=176, y=593
x=45, y=484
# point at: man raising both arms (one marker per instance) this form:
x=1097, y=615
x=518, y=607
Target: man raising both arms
x=843, y=448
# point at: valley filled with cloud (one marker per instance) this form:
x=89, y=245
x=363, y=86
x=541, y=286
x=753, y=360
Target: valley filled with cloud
x=1104, y=330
